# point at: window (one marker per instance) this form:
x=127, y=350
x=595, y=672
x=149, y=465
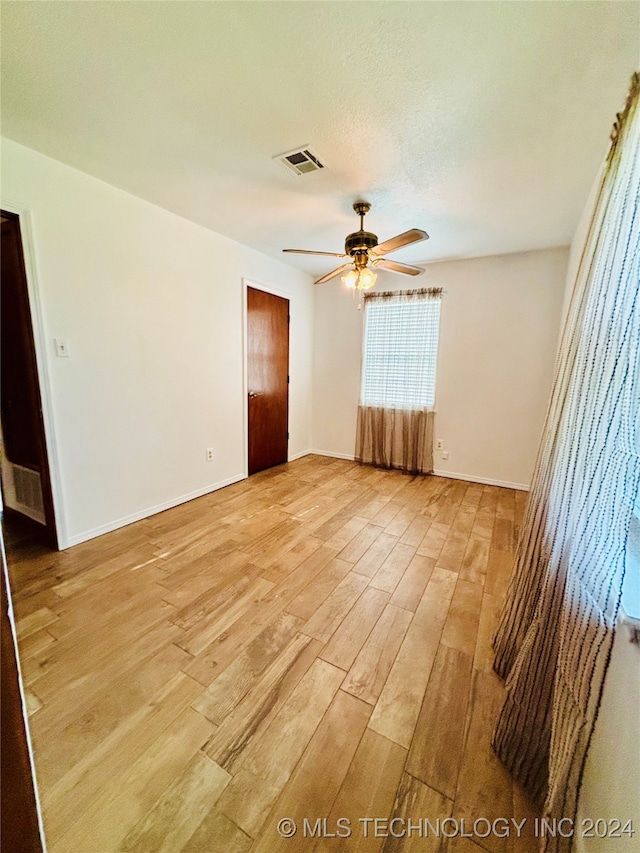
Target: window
x=400, y=349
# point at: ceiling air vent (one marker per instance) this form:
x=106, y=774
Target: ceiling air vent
x=300, y=161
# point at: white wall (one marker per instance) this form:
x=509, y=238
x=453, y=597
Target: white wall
x=498, y=338
x=151, y=306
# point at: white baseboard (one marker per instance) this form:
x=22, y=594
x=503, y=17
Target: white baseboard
x=299, y=455
x=350, y=458
x=486, y=481
x=153, y=510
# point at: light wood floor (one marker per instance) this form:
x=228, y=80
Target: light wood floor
x=314, y=642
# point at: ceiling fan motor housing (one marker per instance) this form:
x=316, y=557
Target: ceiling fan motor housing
x=360, y=241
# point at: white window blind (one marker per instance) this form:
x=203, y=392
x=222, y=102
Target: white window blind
x=400, y=349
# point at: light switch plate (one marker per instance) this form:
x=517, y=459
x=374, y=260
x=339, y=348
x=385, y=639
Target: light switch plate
x=62, y=348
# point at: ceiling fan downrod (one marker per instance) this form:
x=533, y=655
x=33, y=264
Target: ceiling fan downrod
x=360, y=241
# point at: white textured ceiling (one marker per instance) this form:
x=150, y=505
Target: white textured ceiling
x=482, y=123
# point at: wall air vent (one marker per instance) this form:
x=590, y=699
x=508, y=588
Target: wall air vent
x=300, y=161
x=25, y=491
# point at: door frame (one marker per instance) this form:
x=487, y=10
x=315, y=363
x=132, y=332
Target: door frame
x=42, y=365
x=274, y=291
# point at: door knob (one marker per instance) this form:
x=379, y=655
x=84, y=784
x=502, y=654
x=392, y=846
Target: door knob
x=253, y=394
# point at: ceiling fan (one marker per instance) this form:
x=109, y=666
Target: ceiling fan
x=365, y=252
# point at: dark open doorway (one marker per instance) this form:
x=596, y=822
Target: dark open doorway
x=26, y=480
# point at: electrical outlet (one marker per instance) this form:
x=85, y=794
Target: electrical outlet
x=209, y=454
x=440, y=444
x=445, y=454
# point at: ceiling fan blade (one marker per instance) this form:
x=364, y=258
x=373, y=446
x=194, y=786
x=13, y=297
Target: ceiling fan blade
x=395, y=266
x=334, y=273
x=415, y=235
x=310, y=252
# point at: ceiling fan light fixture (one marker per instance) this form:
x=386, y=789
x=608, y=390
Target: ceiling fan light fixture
x=367, y=279
x=360, y=279
x=351, y=278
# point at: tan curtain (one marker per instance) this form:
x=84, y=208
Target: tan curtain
x=396, y=411
x=395, y=438
x=557, y=627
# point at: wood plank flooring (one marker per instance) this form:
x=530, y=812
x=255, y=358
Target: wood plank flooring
x=311, y=643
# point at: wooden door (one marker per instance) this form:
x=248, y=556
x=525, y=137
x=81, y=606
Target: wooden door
x=20, y=402
x=267, y=378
